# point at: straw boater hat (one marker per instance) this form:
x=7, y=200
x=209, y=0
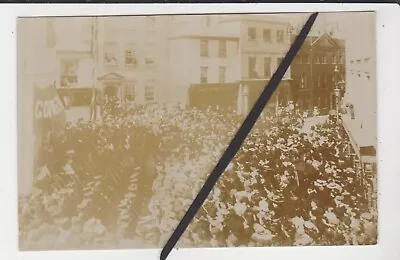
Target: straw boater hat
x=366, y=216
x=334, y=186
x=310, y=226
x=330, y=219
x=320, y=183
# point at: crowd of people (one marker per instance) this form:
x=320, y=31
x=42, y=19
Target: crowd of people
x=286, y=186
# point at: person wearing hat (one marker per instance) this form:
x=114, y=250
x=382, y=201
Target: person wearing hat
x=369, y=226
x=234, y=228
x=261, y=236
x=311, y=230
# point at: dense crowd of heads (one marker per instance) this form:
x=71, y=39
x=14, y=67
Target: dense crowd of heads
x=286, y=186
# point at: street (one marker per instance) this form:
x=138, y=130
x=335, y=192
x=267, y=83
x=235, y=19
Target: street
x=311, y=121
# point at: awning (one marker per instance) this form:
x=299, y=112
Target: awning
x=361, y=139
x=112, y=77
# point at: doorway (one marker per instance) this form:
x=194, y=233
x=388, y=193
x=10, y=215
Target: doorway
x=110, y=91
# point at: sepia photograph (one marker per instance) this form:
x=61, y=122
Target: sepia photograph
x=121, y=119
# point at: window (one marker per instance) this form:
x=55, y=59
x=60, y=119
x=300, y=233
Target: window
x=204, y=48
x=318, y=80
x=280, y=36
x=317, y=60
x=252, y=67
x=306, y=81
x=307, y=102
x=334, y=59
x=303, y=81
x=110, y=54
x=306, y=59
x=203, y=75
x=130, y=91
x=149, y=93
x=130, y=56
x=222, y=48
x=325, y=80
x=368, y=75
x=252, y=34
x=324, y=59
x=279, y=61
x=69, y=76
x=222, y=74
x=267, y=67
x=149, y=61
x=298, y=59
x=267, y=35
x=341, y=60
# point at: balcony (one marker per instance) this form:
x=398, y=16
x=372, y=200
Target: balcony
x=131, y=62
x=110, y=60
x=68, y=81
x=149, y=62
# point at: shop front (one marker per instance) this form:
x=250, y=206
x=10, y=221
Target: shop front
x=255, y=87
x=223, y=95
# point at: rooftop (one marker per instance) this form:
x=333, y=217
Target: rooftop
x=218, y=31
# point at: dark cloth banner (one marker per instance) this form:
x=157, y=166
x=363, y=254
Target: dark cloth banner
x=49, y=112
x=49, y=117
x=223, y=95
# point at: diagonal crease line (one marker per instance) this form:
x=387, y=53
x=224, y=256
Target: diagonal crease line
x=240, y=136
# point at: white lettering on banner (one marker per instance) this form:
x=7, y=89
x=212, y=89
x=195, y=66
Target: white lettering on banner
x=48, y=108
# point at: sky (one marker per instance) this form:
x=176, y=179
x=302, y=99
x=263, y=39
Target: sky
x=344, y=22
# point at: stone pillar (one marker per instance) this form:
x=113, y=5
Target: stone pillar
x=239, y=104
x=245, y=99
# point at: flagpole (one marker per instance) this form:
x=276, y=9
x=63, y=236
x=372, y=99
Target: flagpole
x=94, y=54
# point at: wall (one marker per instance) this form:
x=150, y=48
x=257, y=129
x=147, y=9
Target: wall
x=181, y=70
x=84, y=67
x=186, y=62
x=259, y=48
x=312, y=95
x=148, y=38
x=361, y=91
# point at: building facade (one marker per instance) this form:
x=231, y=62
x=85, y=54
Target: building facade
x=157, y=58
x=264, y=42
x=360, y=99
x=121, y=58
x=133, y=57
x=74, y=62
x=206, y=56
x=318, y=69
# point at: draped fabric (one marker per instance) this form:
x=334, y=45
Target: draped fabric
x=49, y=112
